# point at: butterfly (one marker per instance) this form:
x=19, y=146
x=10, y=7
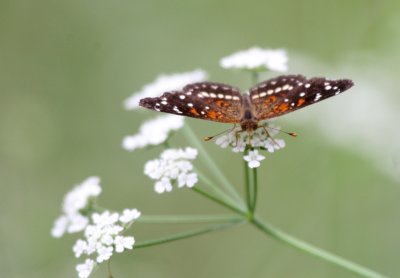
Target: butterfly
x=266, y=100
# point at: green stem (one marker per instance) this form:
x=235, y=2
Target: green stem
x=211, y=164
x=314, y=251
x=187, y=234
x=179, y=219
x=247, y=181
x=215, y=188
x=219, y=201
x=255, y=190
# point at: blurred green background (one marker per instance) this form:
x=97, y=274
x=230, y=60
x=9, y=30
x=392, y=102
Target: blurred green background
x=67, y=66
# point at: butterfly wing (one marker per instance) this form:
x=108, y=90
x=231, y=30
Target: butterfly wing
x=287, y=93
x=205, y=100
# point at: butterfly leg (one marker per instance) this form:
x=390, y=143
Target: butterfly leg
x=269, y=135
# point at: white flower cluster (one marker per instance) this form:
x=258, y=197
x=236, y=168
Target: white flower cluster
x=102, y=232
x=238, y=140
x=173, y=165
x=257, y=58
x=102, y=237
x=72, y=221
x=164, y=83
x=153, y=132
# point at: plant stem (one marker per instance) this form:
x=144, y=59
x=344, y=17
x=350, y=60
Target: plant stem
x=215, y=188
x=211, y=164
x=247, y=181
x=187, y=234
x=179, y=219
x=314, y=251
x=255, y=190
x=219, y=201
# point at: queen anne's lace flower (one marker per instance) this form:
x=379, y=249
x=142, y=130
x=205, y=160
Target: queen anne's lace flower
x=259, y=139
x=103, y=235
x=257, y=58
x=102, y=232
x=153, y=132
x=173, y=165
x=72, y=220
x=164, y=83
x=85, y=269
x=253, y=159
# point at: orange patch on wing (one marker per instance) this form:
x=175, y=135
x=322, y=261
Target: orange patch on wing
x=212, y=115
x=221, y=103
x=282, y=107
x=194, y=112
x=300, y=101
x=270, y=99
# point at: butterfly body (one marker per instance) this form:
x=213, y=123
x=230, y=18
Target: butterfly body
x=269, y=99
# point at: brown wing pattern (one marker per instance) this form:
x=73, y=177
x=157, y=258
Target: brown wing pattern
x=287, y=93
x=205, y=100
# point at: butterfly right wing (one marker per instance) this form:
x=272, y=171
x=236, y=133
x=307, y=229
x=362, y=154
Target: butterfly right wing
x=287, y=93
x=204, y=100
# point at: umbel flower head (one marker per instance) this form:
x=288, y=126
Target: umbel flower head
x=165, y=83
x=153, y=132
x=173, y=166
x=256, y=58
x=102, y=231
x=72, y=220
x=261, y=139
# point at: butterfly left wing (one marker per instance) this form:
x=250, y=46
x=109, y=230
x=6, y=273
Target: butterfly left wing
x=287, y=93
x=204, y=100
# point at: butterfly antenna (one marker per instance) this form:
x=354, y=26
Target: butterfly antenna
x=208, y=138
x=293, y=134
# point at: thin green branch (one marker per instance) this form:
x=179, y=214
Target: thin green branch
x=214, y=188
x=183, y=219
x=219, y=201
x=187, y=234
x=191, y=137
x=255, y=190
x=314, y=251
x=247, y=181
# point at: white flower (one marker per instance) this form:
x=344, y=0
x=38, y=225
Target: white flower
x=128, y=215
x=153, y=132
x=85, y=269
x=80, y=247
x=259, y=139
x=60, y=226
x=173, y=165
x=101, y=231
x=164, y=83
x=104, y=253
x=122, y=243
x=253, y=159
x=187, y=179
x=257, y=58
x=77, y=223
x=72, y=220
x=78, y=197
x=163, y=185
x=274, y=144
x=105, y=219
